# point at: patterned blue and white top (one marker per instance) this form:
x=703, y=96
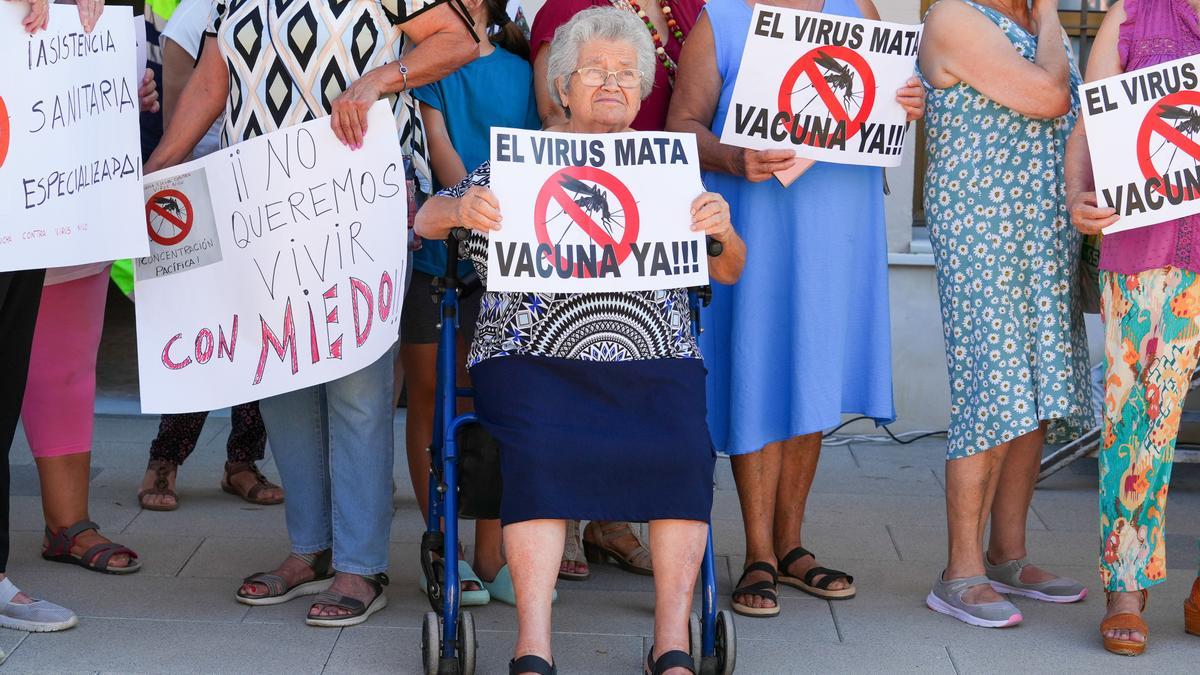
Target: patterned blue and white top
x=631, y=326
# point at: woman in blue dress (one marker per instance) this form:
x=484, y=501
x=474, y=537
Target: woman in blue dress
x=804, y=337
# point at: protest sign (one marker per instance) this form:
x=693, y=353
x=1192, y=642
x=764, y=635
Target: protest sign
x=824, y=86
x=275, y=264
x=594, y=213
x=139, y=38
x=70, y=149
x=1142, y=130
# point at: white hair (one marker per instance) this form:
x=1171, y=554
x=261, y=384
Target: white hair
x=598, y=23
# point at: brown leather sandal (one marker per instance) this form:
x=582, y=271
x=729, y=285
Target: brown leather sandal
x=1125, y=621
x=1191, y=610
x=253, y=495
x=598, y=547
x=164, y=472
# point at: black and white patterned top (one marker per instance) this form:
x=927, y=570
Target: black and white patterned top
x=289, y=60
x=630, y=326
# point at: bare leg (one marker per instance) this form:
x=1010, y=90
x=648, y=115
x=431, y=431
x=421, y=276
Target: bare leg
x=682, y=542
x=970, y=486
x=1010, y=509
x=420, y=371
x=757, y=477
x=534, y=550
x=489, y=554
x=64, y=481
x=797, y=469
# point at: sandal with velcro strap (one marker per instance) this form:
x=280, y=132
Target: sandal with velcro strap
x=809, y=584
x=59, y=544
x=531, y=663
x=359, y=611
x=766, y=590
x=668, y=660
x=278, y=591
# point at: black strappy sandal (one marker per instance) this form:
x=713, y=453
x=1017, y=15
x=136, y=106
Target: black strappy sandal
x=531, y=664
x=818, y=589
x=278, y=592
x=358, y=610
x=669, y=660
x=761, y=589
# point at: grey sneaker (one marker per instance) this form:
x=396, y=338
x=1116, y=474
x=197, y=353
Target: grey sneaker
x=38, y=616
x=946, y=598
x=1006, y=578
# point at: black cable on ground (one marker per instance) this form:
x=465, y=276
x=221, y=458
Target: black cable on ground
x=886, y=430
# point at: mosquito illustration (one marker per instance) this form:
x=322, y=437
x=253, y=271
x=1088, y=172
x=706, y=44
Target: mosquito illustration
x=169, y=204
x=1187, y=122
x=593, y=200
x=840, y=77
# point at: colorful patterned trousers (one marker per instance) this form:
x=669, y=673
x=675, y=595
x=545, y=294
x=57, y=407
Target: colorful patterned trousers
x=1151, y=346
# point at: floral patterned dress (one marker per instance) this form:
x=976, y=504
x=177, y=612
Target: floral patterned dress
x=1007, y=260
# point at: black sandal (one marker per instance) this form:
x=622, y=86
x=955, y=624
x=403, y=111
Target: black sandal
x=359, y=611
x=759, y=589
x=278, y=592
x=819, y=589
x=531, y=664
x=96, y=558
x=669, y=660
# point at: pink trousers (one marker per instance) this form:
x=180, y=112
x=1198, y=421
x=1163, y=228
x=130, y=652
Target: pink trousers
x=60, y=397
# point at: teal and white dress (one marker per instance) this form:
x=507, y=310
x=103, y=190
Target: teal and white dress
x=1007, y=259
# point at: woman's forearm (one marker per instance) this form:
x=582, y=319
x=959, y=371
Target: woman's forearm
x=727, y=267
x=1078, y=164
x=1051, y=50
x=200, y=103
x=437, y=217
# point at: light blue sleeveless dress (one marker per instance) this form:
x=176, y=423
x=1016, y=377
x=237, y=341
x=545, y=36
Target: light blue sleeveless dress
x=1007, y=262
x=804, y=335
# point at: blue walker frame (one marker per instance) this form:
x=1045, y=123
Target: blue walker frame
x=451, y=630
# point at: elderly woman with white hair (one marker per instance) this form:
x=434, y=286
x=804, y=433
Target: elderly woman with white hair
x=609, y=418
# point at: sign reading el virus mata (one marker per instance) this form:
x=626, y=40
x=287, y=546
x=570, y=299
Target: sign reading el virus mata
x=595, y=213
x=824, y=86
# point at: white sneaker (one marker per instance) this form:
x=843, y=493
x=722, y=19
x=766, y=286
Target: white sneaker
x=39, y=616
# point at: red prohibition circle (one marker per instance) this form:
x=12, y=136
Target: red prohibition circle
x=806, y=65
x=1154, y=124
x=182, y=223
x=553, y=190
x=5, y=131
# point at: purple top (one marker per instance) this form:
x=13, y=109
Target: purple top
x=1155, y=31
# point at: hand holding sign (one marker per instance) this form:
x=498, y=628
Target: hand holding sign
x=479, y=210
x=759, y=165
x=1087, y=216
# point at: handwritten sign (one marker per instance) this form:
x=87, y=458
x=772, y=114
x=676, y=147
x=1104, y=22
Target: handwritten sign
x=70, y=157
x=595, y=213
x=824, y=86
x=275, y=264
x=1143, y=132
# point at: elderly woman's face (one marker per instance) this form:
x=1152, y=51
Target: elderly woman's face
x=608, y=104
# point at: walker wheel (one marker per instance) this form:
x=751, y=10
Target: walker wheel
x=466, y=643
x=695, y=643
x=431, y=643
x=726, y=646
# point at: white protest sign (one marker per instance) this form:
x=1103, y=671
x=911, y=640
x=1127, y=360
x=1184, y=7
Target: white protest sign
x=1142, y=130
x=276, y=264
x=824, y=86
x=70, y=149
x=595, y=213
x=139, y=37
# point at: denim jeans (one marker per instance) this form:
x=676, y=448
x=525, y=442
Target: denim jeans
x=333, y=446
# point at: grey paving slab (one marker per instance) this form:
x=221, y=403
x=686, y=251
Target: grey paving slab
x=202, y=513
x=136, y=596
x=783, y=656
x=883, y=508
x=25, y=515
x=145, y=646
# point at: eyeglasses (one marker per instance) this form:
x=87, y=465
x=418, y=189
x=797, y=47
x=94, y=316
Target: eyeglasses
x=628, y=78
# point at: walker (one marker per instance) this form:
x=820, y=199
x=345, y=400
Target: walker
x=448, y=642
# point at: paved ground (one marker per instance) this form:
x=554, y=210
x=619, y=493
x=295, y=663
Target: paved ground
x=877, y=511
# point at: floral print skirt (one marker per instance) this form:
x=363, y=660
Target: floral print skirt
x=1152, y=345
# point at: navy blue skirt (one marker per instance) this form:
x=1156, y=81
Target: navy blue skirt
x=588, y=440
